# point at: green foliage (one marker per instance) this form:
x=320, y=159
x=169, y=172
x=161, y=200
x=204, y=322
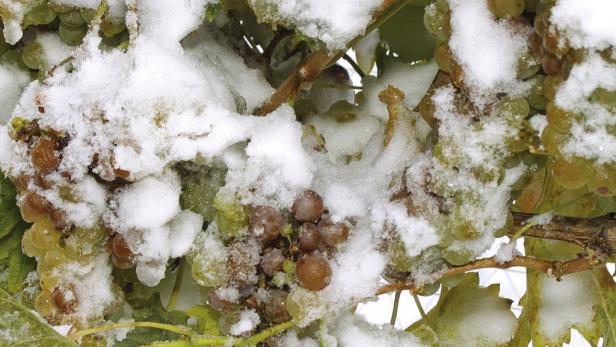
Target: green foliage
x=458, y=306
x=20, y=326
x=152, y=311
x=606, y=308
x=12, y=227
x=405, y=35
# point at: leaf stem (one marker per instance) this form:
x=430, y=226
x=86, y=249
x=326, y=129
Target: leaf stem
x=394, y=311
x=173, y=328
x=354, y=65
x=250, y=341
x=420, y=308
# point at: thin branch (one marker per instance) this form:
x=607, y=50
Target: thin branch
x=354, y=65
x=312, y=66
x=555, y=269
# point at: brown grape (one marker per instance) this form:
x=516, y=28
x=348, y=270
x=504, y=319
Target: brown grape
x=308, y=206
x=309, y=237
x=275, y=308
x=64, y=298
x=332, y=234
x=44, y=155
x=272, y=261
x=266, y=222
x=313, y=271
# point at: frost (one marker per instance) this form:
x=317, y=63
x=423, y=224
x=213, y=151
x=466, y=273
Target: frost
x=586, y=24
x=249, y=319
x=334, y=23
x=487, y=49
x=352, y=331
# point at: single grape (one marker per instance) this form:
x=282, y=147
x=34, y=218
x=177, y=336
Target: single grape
x=219, y=303
x=265, y=222
x=332, y=234
x=44, y=305
x=33, y=207
x=44, y=235
x=45, y=157
x=458, y=257
x=72, y=35
x=551, y=85
x=272, y=261
x=308, y=206
x=208, y=270
x=72, y=18
x=309, y=237
x=553, y=140
x=442, y=56
x=551, y=64
x=313, y=271
x=40, y=15
x=559, y=119
x=506, y=8
x=64, y=298
x=603, y=180
x=536, y=98
x=570, y=173
x=275, y=308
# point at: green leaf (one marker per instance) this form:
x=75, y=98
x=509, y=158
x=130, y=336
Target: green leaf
x=19, y=267
x=207, y=319
x=152, y=311
x=552, y=308
x=469, y=315
x=21, y=327
x=406, y=36
x=606, y=308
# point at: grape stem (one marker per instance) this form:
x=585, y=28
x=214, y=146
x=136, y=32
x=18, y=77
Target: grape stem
x=555, y=269
x=394, y=311
x=250, y=341
x=173, y=328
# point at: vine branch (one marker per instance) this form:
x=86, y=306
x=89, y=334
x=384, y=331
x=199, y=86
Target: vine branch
x=554, y=269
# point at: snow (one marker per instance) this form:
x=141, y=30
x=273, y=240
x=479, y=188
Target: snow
x=54, y=50
x=290, y=338
x=566, y=303
x=12, y=81
x=249, y=319
x=506, y=253
x=487, y=49
x=333, y=22
x=352, y=331
x=585, y=24
x=116, y=8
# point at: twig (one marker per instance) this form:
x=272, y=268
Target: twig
x=555, y=269
x=173, y=328
x=312, y=66
x=354, y=65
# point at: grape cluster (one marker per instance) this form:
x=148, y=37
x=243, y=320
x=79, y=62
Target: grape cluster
x=558, y=58
x=277, y=252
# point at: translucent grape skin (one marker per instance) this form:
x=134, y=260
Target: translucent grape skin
x=308, y=206
x=44, y=155
x=275, y=308
x=571, y=173
x=313, y=271
x=332, y=234
x=64, y=299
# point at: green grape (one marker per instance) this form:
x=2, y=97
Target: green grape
x=111, y=28
x=513, y=108
x=301, y=303
x=442, y=56
x=398, y=259
x=535, y=98
x=59, y=8
x=458, y=257
x=531, y=5
x=40, y=15
x=553, y=140
x=522, y=139
x=437, y=23
x=14, y=56
x=506, y=8
x=603, y=180
x=570, y=174
x=605, y=97
x=72, y=35
x=44, y=235
x=462, y=228
x=199, y=191
x=429, y=289
x=87, y=14
x=550, y=86
x=231, y=218
x=72, y=18
x=528, y=66
x=33, y=55
x=559, y=119
x=208, y=270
